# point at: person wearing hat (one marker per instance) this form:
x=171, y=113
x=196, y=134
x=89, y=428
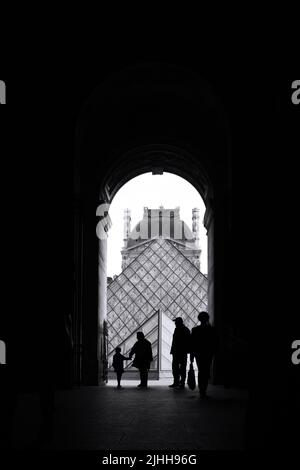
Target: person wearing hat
x=179, y=351
x=203, y=346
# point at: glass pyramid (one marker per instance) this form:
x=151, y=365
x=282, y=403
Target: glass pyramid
x=160, y=278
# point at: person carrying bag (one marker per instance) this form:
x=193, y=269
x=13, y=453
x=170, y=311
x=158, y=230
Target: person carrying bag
x=191, y=381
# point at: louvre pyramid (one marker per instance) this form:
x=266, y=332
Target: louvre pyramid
x=160, y=278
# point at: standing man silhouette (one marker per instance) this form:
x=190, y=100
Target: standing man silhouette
x=143, y=357
x=203, y=346
x=179, y=350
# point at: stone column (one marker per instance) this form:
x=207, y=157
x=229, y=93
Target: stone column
x=90, y=272
x=102, y=313
x=218, y=282
x=127, y=225
x=209, y=225
x=195, y=225
x=102, y=229
x=127, y=230
x=77, y=294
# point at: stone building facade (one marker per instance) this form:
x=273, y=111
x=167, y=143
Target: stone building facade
x=161, y=223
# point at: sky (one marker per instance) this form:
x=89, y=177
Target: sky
x=152, y=191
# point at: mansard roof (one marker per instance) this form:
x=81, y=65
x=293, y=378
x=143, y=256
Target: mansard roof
x=161, y=223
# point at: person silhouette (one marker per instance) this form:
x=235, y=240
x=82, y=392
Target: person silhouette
x=118, y=364
x=203, y=346
x=179, y=351
x=143, y=357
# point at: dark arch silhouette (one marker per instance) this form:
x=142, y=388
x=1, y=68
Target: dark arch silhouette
x=143, y=118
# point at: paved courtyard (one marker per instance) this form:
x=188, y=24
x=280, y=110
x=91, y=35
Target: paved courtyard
x=132, y=418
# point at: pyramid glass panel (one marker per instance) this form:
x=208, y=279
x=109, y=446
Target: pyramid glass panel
x=154, y=301
x=154, y=286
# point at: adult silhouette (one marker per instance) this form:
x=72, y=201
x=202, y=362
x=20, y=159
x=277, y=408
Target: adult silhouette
x=143, y=357
x=203, y=346
x=179, y=351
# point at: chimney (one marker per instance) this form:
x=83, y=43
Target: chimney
x=127, y=223
x=195, y=225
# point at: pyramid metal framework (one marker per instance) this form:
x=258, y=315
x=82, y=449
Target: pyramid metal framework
x=160, y=278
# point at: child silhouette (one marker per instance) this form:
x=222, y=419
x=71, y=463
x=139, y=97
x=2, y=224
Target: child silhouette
x=118, y=365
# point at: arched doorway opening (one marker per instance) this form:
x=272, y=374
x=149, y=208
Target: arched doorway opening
x=133, y=160
x=156, y=266
x=151, y=118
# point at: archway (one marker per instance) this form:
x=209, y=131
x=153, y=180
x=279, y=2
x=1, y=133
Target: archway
x=149, y=118
x=204, y=188
x=157, y=266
